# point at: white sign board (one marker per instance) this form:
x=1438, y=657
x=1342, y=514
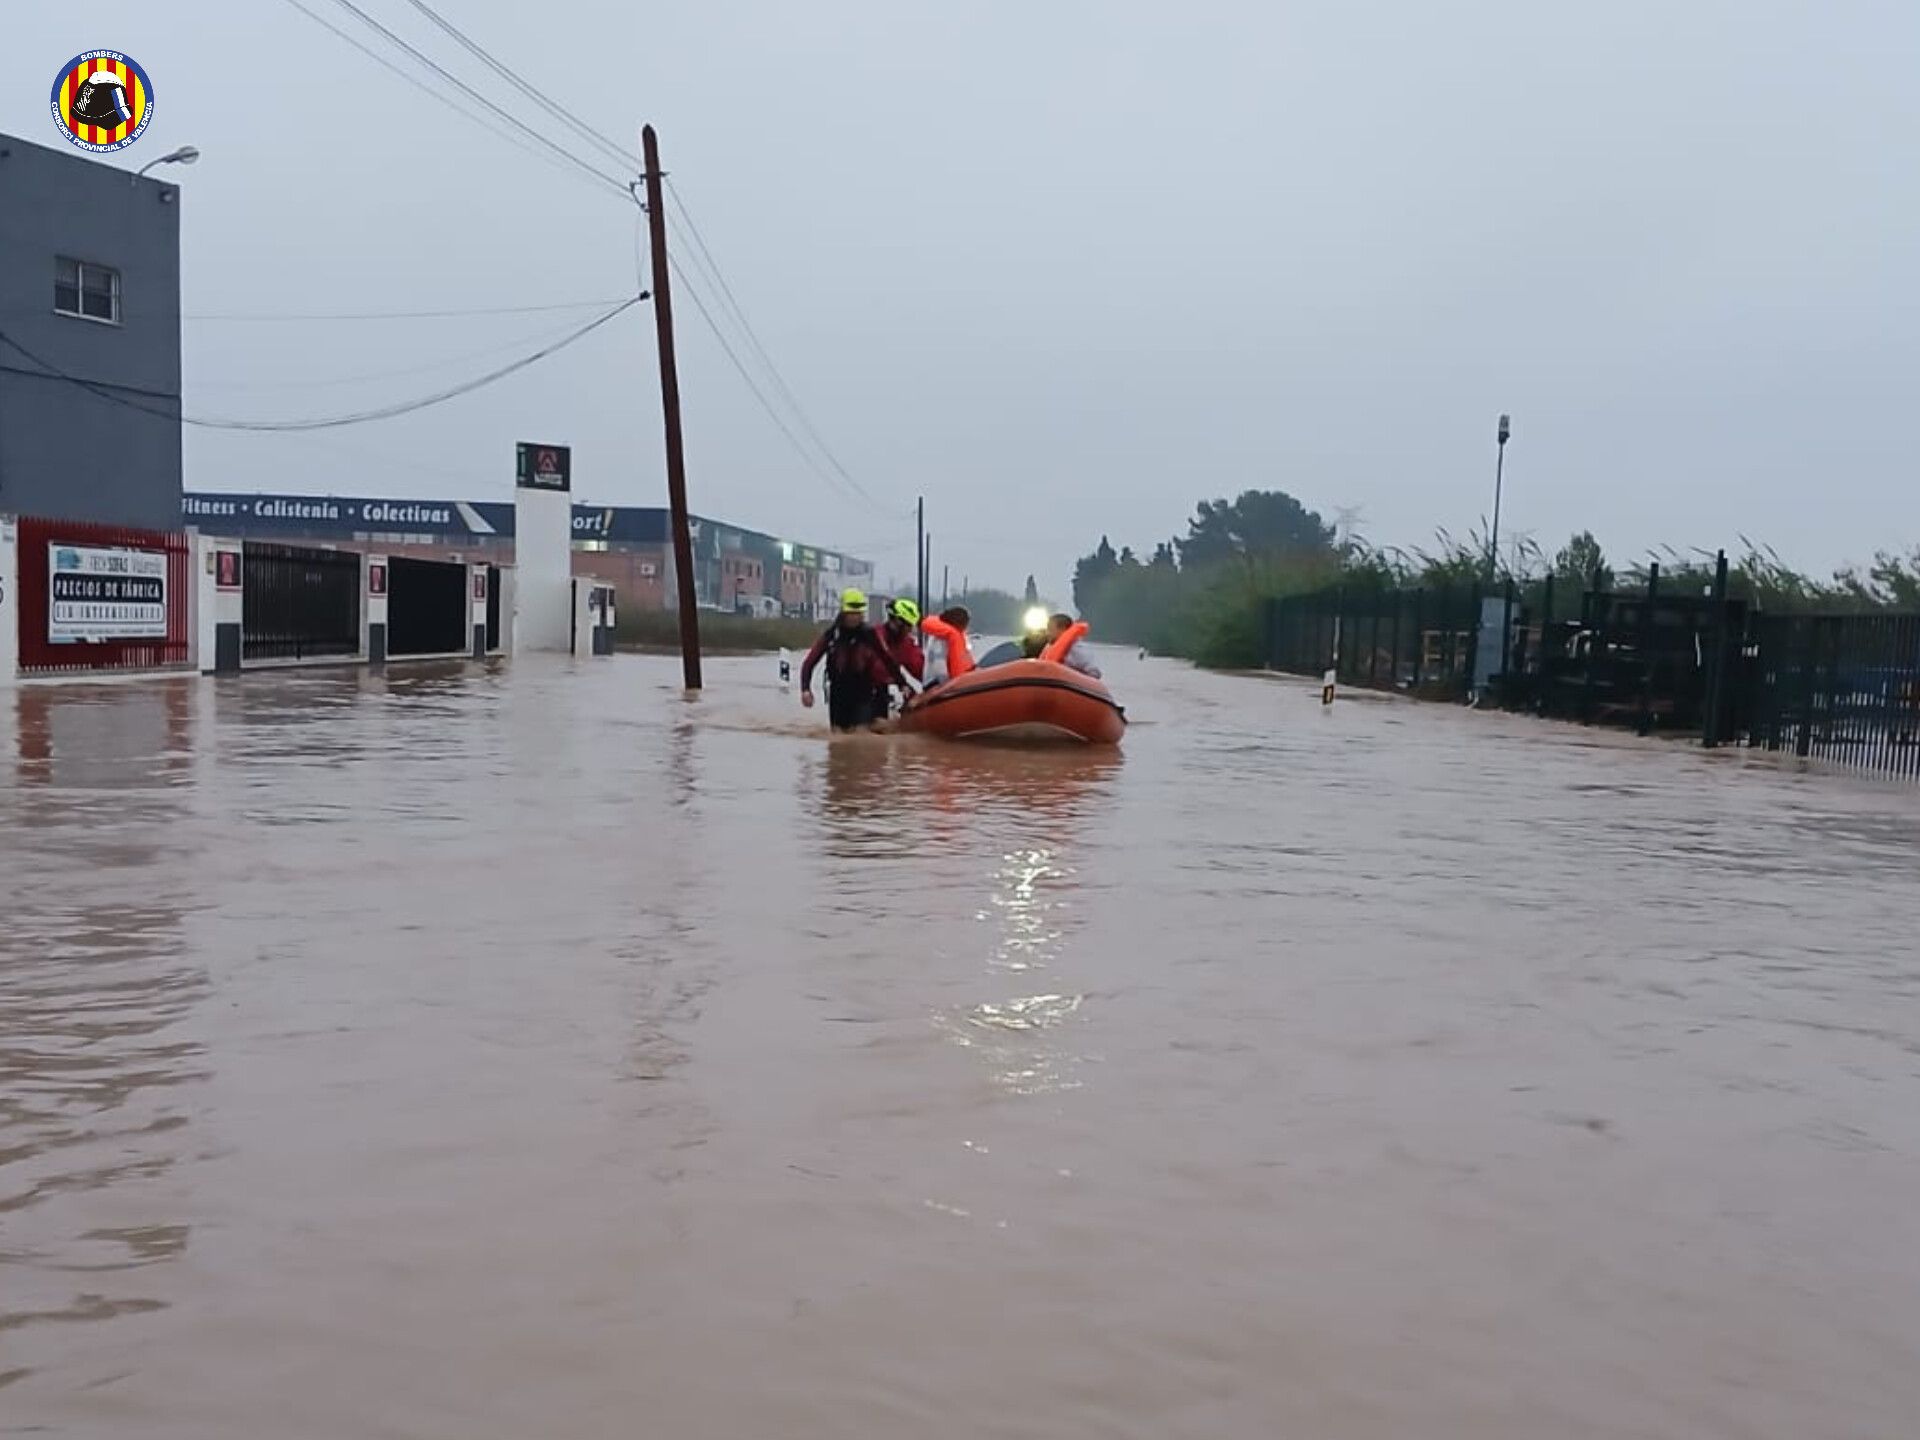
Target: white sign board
x=100, y=594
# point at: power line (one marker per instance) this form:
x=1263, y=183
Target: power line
x=726, y=348
x=623, y=156
x=773, y=414
x=839, y=478
x=753, y=339
x=446, y=362
x=362, y=417
x=466, y=89
x=478, y=119
x=553, y=107
x=277, y=317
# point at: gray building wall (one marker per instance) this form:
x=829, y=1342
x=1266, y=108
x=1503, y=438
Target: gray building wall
x=66, y=452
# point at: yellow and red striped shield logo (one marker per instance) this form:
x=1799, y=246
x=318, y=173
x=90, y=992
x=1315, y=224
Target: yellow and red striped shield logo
x=102, y=101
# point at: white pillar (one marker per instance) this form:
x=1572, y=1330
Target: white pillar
x=509, y=606
x=219, y=604
x=9, y=602
x=374, y=587
x=477, y=610
x=543, y=558
x=216, y=575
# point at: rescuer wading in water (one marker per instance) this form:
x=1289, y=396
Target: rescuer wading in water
x=859, y=667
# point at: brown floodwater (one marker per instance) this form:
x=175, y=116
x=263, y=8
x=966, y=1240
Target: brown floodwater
x=536, y=1052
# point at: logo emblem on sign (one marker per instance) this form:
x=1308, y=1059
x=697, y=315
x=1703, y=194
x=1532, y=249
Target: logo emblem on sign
x=102, y=101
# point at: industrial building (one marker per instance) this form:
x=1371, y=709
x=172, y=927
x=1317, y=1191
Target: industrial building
x=90, y=427
x=628, y=547
x=89, y=340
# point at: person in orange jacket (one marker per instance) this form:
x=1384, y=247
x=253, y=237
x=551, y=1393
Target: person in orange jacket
x=949, y=627
x=1064, y=647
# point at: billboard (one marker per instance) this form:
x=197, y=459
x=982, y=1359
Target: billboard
x=346, y=518
x=543, y=467
x=105, y=594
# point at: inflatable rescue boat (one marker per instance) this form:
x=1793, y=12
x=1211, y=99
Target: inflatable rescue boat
x=1018, y=700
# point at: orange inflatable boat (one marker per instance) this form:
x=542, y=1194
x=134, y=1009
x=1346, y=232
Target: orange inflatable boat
x=1018, y=700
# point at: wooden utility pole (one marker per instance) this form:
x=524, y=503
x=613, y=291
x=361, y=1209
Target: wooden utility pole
x=943, y=587
x=670, y=409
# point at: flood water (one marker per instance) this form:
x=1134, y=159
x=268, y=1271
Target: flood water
x=537, y=1053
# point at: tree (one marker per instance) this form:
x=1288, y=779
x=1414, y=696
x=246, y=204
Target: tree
x=1579, y=561
x=1128, y=560
x=1163, y=557
x=1090, y=572
x=1033, y=591
x=1260, y=522
x=1891, y=581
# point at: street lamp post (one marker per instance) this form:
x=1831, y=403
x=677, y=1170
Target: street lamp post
x=1499, y=471
x=185, y=155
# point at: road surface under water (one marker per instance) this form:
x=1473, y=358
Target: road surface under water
x=538, y=1052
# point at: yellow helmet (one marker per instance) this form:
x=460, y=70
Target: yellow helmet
x=853, y=600
x=905, y=610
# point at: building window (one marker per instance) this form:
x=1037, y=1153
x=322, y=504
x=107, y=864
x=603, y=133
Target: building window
x=91, y=292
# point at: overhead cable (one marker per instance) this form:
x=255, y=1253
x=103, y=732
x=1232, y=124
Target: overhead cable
x=476, y=117
x=753, y=339
x=466, y=89
x=693, y=294
x=553, y=107
x=49, y=370
x=274, y=317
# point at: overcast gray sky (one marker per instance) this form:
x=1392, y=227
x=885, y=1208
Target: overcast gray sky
x=1069, y=267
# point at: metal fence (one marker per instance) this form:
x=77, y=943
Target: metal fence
x=102, y=597
x=1839, y=688
x=1667, y=657
x=299, y=604
x=1422, y=641
x=1655, y=658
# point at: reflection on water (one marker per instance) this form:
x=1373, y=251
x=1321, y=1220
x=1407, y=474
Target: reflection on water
x=939, y=798
x=492, y=1051
x=98, y=1059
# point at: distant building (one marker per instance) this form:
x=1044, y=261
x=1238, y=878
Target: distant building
x=89, y=340
x=734, y=569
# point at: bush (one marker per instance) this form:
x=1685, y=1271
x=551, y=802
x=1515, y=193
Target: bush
x=1215, y=616
x=719, y=633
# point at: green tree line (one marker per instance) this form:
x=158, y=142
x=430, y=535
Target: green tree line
x=1203, y=595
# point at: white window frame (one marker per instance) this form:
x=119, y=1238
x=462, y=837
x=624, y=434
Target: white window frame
x=80, y=271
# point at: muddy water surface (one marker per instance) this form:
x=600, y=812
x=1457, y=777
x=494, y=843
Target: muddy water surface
x=535, y=1052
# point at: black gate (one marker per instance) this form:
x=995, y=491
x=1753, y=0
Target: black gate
x=1840, y=688
x=493, y=608
x=428, y=612
x=1418, y=640
x=298, y=604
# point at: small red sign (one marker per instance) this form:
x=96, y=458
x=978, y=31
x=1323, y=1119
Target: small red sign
x=377, y=578
x=479, y=584
x=226, y=573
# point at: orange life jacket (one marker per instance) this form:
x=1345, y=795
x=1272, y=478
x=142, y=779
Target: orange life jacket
x=1057, y=649
x=959, y=657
